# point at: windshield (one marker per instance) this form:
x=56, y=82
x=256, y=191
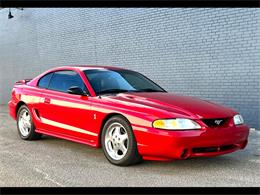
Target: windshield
x=118, y=81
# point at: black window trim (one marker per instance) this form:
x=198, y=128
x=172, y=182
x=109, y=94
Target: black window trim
x=53, y=72
x=151, y=81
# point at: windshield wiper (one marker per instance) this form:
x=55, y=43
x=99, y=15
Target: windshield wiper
x=113, y=91
x=148, y=90
x=108, y=91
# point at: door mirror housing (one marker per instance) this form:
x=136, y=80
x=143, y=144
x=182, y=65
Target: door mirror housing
x=77, y=91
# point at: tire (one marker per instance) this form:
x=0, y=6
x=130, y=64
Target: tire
x=119, y=152
x=25, y=126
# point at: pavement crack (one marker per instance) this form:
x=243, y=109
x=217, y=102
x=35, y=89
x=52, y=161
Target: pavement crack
x=47, y=177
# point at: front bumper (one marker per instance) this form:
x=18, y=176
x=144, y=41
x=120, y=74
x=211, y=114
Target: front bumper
x=154, y=144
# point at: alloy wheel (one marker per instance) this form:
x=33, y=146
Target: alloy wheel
x=24, y=122
x=116, y=141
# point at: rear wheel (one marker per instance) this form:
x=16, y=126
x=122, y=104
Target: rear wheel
x=118, y=142
x=25, y=126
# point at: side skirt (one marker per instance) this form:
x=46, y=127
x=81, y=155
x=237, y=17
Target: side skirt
x=70, y=138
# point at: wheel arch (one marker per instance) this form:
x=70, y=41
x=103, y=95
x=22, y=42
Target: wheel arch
x=19, y=104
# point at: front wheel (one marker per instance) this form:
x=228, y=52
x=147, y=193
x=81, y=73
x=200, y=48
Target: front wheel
x=25, y=126
x=118, y=142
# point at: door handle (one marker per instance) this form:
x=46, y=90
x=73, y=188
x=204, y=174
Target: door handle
x=47, y=100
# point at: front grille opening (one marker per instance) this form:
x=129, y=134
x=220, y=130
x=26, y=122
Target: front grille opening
x=213, y=149
x=228, y=147
x=205, y=150
x=216, y=122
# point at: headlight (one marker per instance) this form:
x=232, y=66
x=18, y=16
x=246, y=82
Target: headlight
x=238, y=119
x=176, y=124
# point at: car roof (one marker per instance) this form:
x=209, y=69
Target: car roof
x=89, y=67
x=74, y=67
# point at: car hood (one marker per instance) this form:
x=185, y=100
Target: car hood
x=184, y=105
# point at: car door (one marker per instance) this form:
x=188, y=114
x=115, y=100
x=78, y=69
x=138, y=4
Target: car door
x=66, y=115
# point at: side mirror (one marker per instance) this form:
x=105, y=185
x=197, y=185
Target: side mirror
x=76, y=90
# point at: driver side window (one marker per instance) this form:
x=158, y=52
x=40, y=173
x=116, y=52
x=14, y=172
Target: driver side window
x=63, y=80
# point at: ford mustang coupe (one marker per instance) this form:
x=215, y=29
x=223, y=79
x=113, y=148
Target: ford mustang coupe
x=125, y=113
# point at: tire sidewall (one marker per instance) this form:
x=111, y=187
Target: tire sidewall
x=23, y=107
x=131, y=140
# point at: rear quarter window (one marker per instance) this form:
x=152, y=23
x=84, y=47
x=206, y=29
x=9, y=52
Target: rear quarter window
x=45, y=80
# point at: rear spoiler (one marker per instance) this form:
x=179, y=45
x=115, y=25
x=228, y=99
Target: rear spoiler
x=21, y=82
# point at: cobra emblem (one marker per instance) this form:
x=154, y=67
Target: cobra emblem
x=218, y=122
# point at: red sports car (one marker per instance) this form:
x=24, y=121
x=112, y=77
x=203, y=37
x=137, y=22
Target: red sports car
x=125, y=113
